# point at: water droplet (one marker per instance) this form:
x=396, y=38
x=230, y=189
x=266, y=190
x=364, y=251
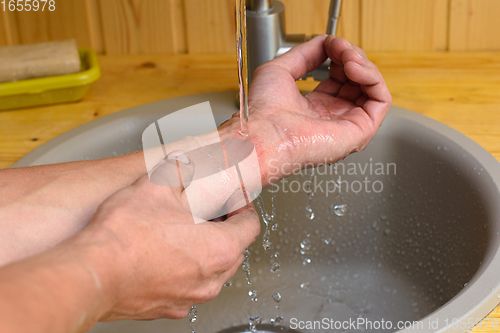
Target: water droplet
x=304, y=285
x=275, y=227
x=305, y=246
x=253, y=322
x=309, y=213
x=277, y=321
x=275, y=268
x=253, y=295
x=245, y=265
x=306, y=261
x=192, y=316
x=340, y=210
x=277, y=297
x=328, y=241
x=228, y=283
x=267, y=245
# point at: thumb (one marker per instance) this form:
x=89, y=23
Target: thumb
x=243, y=226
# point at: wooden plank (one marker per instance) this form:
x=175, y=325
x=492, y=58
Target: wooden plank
x=142, y=27
x=410, y=25
x=94, y=25
x=8, y=28
x=311, y=18
x=68, y=20
x=474, y=25
x=210, y=26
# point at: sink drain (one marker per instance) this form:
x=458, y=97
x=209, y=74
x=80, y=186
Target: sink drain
x=265, y=328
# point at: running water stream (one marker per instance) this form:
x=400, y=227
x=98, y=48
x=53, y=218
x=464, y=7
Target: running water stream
x=241, y=53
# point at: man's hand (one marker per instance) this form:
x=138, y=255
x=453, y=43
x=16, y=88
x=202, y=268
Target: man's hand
x=163, y=262
x=339, y=117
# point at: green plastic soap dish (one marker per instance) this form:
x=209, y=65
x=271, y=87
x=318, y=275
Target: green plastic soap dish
x=52, y=89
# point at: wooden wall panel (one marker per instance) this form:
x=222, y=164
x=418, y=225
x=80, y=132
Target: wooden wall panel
x=8, y=29
x=210, y=26
x=311, y=18
x=349, y=25
x=409, y=25
x=207, y=26
x=474, y=25
x=69, y=20
x=142, y=27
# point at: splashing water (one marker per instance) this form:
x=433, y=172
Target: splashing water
x=253, y=295
x=192, y=316
x=253, y=322
x=268, y=219
x=245, y=265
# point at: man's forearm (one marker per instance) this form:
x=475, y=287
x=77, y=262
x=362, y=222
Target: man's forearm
x=44, y=205
x=58, y=291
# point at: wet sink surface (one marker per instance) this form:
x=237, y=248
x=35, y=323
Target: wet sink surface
x=421, y=223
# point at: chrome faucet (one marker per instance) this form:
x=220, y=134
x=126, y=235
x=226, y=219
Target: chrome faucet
x=267, y=36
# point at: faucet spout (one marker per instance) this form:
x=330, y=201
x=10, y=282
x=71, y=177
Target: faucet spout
x=258, y=5
x=334, y=17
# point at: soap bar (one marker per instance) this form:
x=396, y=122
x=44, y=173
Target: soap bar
x=19, y=62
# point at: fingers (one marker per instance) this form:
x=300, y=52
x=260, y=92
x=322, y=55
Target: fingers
x=303, y=58
x=243, y=226
x=350, y=67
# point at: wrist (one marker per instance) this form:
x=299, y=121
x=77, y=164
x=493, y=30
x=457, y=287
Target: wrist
x=273, y=154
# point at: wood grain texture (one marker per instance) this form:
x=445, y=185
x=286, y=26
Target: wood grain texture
x=210, y=26
x=409, y=25
x=68, y=20
x=474, y=25
x=142, y=27
x=8, y=28
x=349, y=25
x=94, y=25
x=311, y=18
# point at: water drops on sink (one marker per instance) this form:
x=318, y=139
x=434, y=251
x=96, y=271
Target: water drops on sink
x=278, y=320
x=253, y=322
x=340, y=210
x=277, y=297
x=309, y=213
x=275, y=267
x=305, y=246
x=253, y=295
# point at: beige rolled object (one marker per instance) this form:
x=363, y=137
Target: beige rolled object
x=19, y=62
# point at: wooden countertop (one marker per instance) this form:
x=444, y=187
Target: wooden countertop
x=461, y=90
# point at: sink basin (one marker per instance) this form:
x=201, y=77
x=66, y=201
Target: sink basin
x=418, y=241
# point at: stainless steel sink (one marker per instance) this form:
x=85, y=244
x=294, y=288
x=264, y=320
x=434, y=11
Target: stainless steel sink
x=423, y=245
